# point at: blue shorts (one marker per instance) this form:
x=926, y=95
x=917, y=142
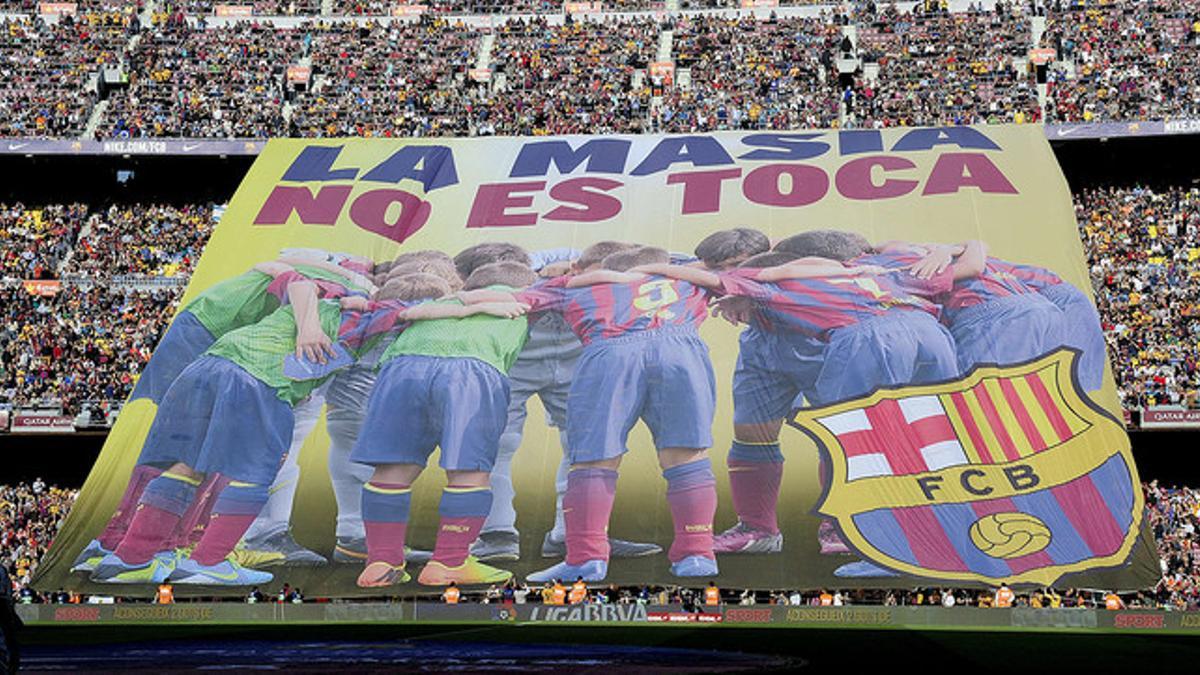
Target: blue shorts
x=218, y=418
x=185, y=341
x=774, y=373
x=1007, y=331
x=1082, y=331
x=424, y=402
x=899, y=347
x=662, y=377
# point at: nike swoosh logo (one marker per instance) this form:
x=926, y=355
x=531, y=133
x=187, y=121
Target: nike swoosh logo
x=231, y=576
x=188, y=147
x=16, y=146
x=1066, y=132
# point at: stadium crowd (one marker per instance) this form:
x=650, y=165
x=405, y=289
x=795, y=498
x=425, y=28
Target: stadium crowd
x=32, y=513
x=37, y=240
x=30, y=516
x=1123, y=61
x=83, y=344
x=1175, y=518
x=382, y=79
x=185, y=78
x=945, y=69
x=48, y=71
x=1142, y=244
x=575, y=78
x=750, y=75
x=225, y=83
x=156, y=240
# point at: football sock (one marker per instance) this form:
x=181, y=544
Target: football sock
x=158, y=511
x=232, y=514
x=755, y=473
x=385, y=515
x=119, y=523
x=463, y=510
x=692, y=495
x=587, y=506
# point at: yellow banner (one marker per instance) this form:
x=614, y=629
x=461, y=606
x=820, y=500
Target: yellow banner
x=983, y=211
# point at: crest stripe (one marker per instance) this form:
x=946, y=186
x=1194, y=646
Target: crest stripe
x=956, y=521
x=1028, y=428
x=1050, y=404
x=994, y=422
x=1066, y=546
x=934, y=549
x=1040, y=417
x=973, y=441
x=1085, y=507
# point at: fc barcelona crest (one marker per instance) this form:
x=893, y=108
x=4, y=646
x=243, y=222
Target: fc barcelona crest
x=1009, y=474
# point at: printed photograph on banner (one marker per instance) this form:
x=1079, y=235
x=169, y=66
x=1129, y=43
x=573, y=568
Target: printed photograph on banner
x=809, y=359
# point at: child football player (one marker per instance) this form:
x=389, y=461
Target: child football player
x=871, y=331
x=230, y=412
x=241, y=301
x=642, y=359
x=441, y=384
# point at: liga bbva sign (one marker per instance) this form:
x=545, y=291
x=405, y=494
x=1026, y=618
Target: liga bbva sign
x=1008, y=467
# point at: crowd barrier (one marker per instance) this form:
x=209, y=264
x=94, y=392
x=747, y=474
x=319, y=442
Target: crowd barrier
x=866, y=616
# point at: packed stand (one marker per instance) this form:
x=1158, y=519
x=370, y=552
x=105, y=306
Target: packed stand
x=38, y=239
x=751, y=74
x=388, y=79
x=944, y=69
x=387, y=7
x=1141, y=245
x=30, y=516
x=196, y=83
x=1130, y=61
x=1175, y=517
x=47, y=72
x=571, y=79
x=80, y=345
x=141, y=239
x=260, y=7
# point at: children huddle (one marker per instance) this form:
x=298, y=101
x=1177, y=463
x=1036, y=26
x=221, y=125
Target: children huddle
x=829, y=318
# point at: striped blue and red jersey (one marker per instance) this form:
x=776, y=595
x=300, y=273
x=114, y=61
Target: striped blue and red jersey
x=991, y=284
x=1037, y=278
x=330, y=286
x=604, y=311
x=357, y=328
x=818, y=306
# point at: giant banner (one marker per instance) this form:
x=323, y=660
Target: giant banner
x=773, y=360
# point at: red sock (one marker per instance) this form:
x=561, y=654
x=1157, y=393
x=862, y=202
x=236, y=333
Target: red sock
x=233, y=513
x=195, y=519
x=385, y=542
x=145, y=535
x=754, y=487
x=692, y=494
x=454, y=539
x=222, y=534
x=385, y=509
x=693, y=511
x=463, y=511
x=587, y=507
x=118, y=525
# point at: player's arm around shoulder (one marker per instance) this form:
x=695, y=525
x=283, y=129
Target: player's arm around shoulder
x=484, y=295
x=603, y=277
x=693, y=275
x=509, y=309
